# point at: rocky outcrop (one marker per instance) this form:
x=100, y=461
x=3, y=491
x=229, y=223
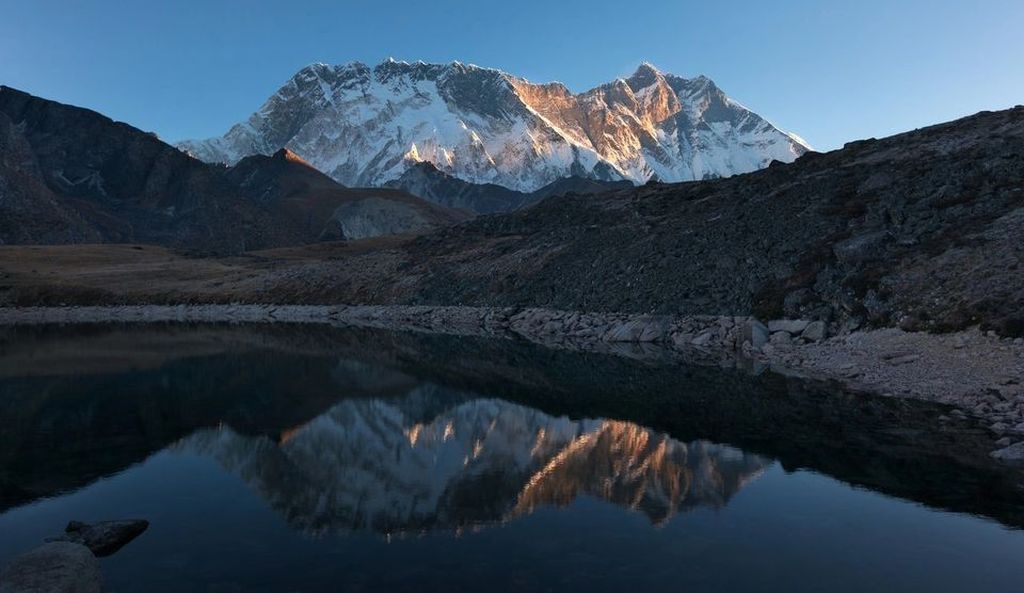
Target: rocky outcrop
x=103, y=538
x=1011, y=454
x=59, y=567
x=67, y=563
x=785, y=331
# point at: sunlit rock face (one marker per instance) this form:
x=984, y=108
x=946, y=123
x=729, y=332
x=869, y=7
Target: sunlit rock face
x=416, y=464
x=365, y=126
x=636, y=468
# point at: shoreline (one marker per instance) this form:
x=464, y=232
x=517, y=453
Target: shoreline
x=977, y=373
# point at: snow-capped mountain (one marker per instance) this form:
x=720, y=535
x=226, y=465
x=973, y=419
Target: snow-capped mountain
x=431, y=461
x=365, y=126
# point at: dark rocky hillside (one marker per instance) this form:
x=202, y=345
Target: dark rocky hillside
x=428, y=182
x=319, y=208
x=70, y=175
x=924, y=230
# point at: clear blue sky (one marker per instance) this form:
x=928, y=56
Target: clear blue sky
x=829, y=70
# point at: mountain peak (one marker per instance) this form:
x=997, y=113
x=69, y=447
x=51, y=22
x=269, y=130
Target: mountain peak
x=646, y=75
x=314, y=70
x=357, y=124
x=646, y=69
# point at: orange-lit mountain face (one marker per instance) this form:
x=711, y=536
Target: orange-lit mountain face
x=366, y=126
x=638, y=469
x=377, y=465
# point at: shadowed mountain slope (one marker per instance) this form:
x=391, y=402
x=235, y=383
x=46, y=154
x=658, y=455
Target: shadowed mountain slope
x=70, y=175
x=430, y=183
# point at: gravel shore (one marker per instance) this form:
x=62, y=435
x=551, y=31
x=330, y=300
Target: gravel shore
x=977, y=373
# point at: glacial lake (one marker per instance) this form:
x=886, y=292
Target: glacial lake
x=309, y=459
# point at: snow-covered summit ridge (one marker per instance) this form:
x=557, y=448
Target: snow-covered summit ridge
x=365, y=125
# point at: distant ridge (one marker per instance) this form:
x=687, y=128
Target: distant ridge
x=71, y=175
x=428, y=182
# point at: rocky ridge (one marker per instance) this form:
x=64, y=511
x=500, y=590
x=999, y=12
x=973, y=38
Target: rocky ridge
x=428, y=182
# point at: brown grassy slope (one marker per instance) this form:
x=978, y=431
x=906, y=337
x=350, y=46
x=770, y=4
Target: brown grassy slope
x=133, y=274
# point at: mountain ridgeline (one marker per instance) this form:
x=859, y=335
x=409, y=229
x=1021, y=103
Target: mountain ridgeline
x=70, y=175
x=428, y=182
x=367, y=126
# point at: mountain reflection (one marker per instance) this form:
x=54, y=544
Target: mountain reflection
x=425, y=462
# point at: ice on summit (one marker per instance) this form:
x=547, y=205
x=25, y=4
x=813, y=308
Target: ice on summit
x=364, y=126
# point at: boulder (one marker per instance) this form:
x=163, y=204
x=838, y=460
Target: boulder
x=623, y=332
x=682, y=339
x=703, y=339
x=815, y=331
x=654, y=331
x=103, y=538
x=756, y=333
x=57, y=567
x=790, y=326
x=861, y=247
x=1013, y=454
x=781, y=338
x=637, y=330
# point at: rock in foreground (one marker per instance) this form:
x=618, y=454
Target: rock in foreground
x=1011, y=454
x=57, y=567
x=103, y=538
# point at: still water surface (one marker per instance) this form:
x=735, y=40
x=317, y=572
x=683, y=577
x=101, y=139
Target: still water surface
x=329, y=460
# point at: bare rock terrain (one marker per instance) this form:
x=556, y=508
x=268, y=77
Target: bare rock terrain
x=920, y=231
x=58, y=567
